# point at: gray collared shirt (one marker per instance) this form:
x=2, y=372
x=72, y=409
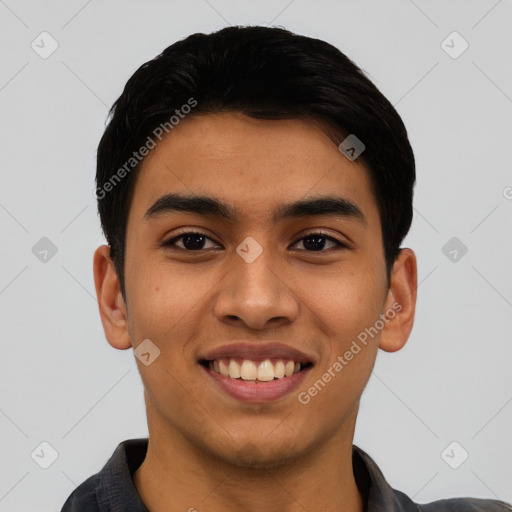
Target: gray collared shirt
x=113, y=490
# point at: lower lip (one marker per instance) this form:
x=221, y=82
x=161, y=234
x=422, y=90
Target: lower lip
x=257, y=392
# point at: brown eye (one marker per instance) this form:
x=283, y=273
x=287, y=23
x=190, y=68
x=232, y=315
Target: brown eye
x=318, y=241
x=192, y=241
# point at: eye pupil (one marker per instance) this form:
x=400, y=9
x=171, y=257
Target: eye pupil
x=194, y=241
x=314, y=242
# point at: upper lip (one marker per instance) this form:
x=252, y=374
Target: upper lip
x=261, y=350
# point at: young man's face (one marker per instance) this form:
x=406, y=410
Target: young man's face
x=290, y=302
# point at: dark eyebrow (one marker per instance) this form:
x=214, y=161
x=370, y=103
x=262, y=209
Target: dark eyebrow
x=328, y=205
x=206, y=205
x=202, y=205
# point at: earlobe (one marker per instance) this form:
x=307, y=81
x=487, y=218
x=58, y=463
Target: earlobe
x=400, y=302
x=112, y=308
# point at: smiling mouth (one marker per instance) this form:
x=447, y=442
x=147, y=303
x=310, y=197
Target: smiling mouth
x=265, y=370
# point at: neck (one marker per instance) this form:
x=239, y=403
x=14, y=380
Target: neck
x=176, y=475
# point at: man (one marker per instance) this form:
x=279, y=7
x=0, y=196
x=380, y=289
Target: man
x=254, y=188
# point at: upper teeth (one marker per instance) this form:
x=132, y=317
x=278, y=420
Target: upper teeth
x=246, y=369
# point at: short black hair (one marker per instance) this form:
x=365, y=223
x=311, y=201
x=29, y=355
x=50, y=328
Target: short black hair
x=262, y=72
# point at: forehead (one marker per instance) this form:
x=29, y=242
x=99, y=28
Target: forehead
x=254, y=165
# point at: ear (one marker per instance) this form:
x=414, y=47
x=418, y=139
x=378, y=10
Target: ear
x=113, y=310
x=400, y=303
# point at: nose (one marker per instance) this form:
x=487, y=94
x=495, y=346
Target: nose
x=256, y=295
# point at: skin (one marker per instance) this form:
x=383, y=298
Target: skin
x=208, y=450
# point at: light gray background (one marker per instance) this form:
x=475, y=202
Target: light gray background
x=60, y=380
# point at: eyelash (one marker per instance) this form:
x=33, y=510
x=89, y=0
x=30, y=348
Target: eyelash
x=170, y=243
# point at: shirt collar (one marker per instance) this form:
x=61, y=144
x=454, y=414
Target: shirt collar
x=116, y=491
x=378, y=494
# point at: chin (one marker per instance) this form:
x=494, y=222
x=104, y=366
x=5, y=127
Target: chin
x=260, y=454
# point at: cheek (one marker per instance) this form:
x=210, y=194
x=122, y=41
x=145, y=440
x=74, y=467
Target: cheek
x=346, y=301
x=164, y=299
x=345, y=315
x=165, y=305
x=347, y=307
